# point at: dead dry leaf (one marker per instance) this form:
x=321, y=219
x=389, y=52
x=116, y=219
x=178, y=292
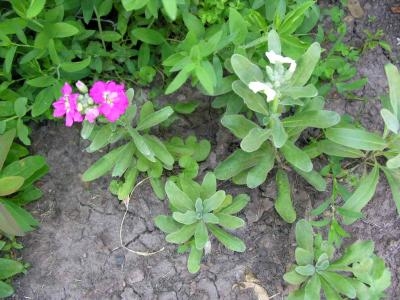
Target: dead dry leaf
x=395, y=9
x=355, y=9
x=251, y=282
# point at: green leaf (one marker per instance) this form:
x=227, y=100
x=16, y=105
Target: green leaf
x=239, y=125
x=307, y=270
x=10, y=184
x=316, y=119
x=354, y=253
x=6, y=290
x=334, y=149
x=254, y=139
x=393, y=76
x=109, y=36
x=296, y=157
x=274, y=44
x=200, y=235
x=304, y=235
x=245, y=69
x=283, y=202
x=171, y=8
x=313, y=178
x=194, y=259
x=238, y=203
x=187, y=218
x=9, y=268
x=229, y=241
x=166, y=223
x=230, y=222
x=23, y=132
x=26, y=167
x=178, y=198
x=126, y=189
x=391, y=121
x=180, y=79
x=254, y=101
x=61, y=30
x=43, y=101
x=76, y=66
x=237, y=162
x=18, y=218
x=6, y=140
x=237, y=27
x=103, y=165
x=343, y=87
x=101, y=139
x=258, y=174
x=8, y=59
x=303, y=256
x=20, y=106
x=341, y=284
x=124, y=161
x=149, y=36
x=313, y=288
x=8, y=224
x=279, y=135
x=141, y=145
x=35, y=7
x=182, y=235
x=155, y=118
x=210, y=218
x=295, y=278
x=186, y=107
x=41, y=81
x=306, y=65
x=294, y=18
x=356, y=138
x=134, y=4
x=362, y=195
x=206, y=78
x=159, y=149
x=296, y=92
x=394, y=162
x=214, y=201
x=393, y=179
x=208, y=186
x=329, y=291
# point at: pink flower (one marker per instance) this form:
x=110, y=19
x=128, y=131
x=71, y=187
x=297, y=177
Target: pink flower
x=67, y=105
x=111, y=98
x=91, y=114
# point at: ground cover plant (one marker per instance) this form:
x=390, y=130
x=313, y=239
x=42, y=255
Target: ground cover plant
x=268, y=74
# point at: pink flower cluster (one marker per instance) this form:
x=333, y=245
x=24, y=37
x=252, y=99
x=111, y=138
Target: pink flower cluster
x=106, y=99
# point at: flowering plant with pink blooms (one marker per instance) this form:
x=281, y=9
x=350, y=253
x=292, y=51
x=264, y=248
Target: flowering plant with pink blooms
x=106, y=99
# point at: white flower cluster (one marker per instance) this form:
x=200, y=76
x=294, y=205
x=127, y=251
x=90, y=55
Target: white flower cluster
x=277, y=76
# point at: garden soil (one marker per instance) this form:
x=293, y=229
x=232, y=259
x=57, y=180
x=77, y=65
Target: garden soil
x=76, y=253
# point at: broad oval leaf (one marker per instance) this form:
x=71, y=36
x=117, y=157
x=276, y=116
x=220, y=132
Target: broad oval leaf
x=393, y=76
x=182, y=235
x=149, y=36
x=166, y=223
x=214, y=201
x=171, y=8
x=245, y=69
x=297, y=92
x=254, y=101
x=316, y=119
x=306, y=65
x=187, y=218
x=258, y=174
x=229, y=221
x=239, y=125
x=394, y=162
x=356, y=138
x=10, y=184
x=35, y=7
x=178, y=198
x=194, y=259
x=238, y=203
x=279, y=134
x=254, y=139
x=10, y=267
x=304, y=235
x=391, y=121
x=296, y=157
x=334, y=149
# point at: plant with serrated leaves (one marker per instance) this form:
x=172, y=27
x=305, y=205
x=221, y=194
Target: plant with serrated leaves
x=197, y=210
x=357, y=274
x=138, y=150
x=288, y=107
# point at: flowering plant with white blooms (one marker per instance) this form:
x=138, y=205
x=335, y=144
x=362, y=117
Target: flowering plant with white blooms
x=282, y=106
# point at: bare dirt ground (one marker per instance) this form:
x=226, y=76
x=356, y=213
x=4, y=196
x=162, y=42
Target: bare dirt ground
x=76, y=252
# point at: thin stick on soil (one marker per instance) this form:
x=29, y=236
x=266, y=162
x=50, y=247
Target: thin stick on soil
x=126, y=202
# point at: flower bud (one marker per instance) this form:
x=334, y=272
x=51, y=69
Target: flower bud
x=81, y=87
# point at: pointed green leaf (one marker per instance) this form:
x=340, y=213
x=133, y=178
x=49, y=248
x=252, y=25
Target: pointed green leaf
x=35, y=7
x=356, y=138
x=155, y=118
x=391, y=121
x=254, y=101
x=101, y=139
x=341, y=284
x=208, y=186
x=334, y=149
x=10, y=184
x=238, y=203
x=194, y=259
x=229, y=221
x=6, y=140
x=182, y=235
x=394, y=162
x=178, y=198
x=214, y=201
x=6, y=290
x=313, y=178
x=142, y=145
x=9, y=267
x=229, y=241
x=354, y=253
x=160, y=150
x=295, y=278
x=316, y=119
x=239, y=125
x=200, y=235
x=245, y=69
x=297, y=92
x=306, y=65
x=187, y=218
x=254, y=139
x=258, y=174
x=296, y=157
x=171, y=8
x=393, y=179
x=179, y=79
x=393, y=77
x=313, y=288
x=362, y=195
x=149, y=36
x=210, y=218
x=274, y=43
x=283, y=202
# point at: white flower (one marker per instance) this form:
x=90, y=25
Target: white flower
x=276, y=58
x=266, y=88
